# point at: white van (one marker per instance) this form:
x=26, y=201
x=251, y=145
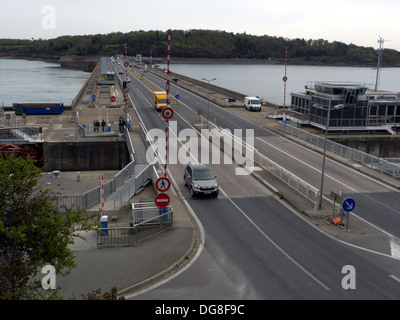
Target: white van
x=252, y=103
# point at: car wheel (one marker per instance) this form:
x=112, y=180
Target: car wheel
x=192, y=193
x=184, y=180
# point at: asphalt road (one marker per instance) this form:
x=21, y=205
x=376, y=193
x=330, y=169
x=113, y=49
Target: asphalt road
x=378, y=203
x=254, y=247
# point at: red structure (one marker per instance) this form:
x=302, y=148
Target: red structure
x=35, y=152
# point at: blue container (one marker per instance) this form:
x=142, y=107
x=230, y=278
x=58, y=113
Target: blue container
x=38, y=108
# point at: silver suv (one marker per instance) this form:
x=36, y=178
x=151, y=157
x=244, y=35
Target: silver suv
x=200, y=180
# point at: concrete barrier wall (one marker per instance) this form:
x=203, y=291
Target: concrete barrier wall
x=85, y=156
x=386, y=147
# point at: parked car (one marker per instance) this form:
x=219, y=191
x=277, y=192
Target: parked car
x=200, y=180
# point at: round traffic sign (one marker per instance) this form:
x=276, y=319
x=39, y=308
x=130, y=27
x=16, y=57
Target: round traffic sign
x=163, y=184
x=348, y=205
x=162, y=200
x=167, y=113
x=113, y=99
x=177, y=97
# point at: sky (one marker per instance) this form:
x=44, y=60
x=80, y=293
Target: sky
x=349, y=21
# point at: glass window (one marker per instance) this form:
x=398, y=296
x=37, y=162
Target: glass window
x=336, y=114
x=348, y=112
x=360, y=112
x=382, y=110
x=373, y=110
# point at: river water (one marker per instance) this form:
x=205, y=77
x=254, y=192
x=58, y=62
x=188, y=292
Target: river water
x=37, y=81
x=266, y=81
x=23, y=81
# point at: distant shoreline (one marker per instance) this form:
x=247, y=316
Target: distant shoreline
x=87, y=63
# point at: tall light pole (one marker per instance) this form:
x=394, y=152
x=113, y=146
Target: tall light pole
x=339, y=106
x=208, y=100
x=381, y=42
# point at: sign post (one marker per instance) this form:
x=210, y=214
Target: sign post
x=348, y=206
x=163, y=184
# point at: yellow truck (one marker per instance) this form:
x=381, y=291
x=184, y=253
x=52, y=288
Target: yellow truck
x=160, y=100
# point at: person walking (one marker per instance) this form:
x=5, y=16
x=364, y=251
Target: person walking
x=103, y=125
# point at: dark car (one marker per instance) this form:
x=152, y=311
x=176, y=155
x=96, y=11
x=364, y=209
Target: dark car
x=200, y=180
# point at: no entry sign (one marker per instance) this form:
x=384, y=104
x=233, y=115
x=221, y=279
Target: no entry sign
x=162, y=200
x=113, y=99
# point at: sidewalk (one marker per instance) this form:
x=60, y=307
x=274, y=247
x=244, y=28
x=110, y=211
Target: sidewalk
x=129, y=267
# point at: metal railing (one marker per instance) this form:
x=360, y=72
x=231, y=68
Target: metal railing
x=144, y=211
x=92, y=197
x=248, y=151
x=382, y=165
x=132, y=236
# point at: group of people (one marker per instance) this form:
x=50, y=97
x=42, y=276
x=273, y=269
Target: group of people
x=122, y=124
x=96, y=125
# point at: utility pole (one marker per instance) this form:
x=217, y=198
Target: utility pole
x=381, y=41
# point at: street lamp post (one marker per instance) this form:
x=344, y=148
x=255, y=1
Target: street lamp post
x=339, y=106
x=208, y=100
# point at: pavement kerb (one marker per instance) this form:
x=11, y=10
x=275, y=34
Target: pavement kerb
x=168, y=271
x=183, y=206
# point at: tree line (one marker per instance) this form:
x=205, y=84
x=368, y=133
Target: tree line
x=206, y=44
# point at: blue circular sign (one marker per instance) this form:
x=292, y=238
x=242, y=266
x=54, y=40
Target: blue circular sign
x=348, y=205
x=177, y=96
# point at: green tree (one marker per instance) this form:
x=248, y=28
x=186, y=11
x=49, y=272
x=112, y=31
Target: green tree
x=33, y=232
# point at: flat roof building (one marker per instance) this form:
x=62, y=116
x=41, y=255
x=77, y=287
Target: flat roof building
x=351, y=107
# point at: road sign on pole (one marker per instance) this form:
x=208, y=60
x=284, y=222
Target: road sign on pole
x=113, y=99
x=167, y=113
x=162, y=200
x=348, y=205
x=163, y=184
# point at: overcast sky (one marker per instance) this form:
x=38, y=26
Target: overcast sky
x=348, y=21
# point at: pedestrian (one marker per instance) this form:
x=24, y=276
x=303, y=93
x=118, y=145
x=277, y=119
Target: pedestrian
x=97, y=125
x=103, y=125
x=121, y=125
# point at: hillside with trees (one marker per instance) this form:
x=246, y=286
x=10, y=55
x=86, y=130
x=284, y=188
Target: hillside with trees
x=200, y=44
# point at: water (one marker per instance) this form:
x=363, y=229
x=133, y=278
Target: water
x=25, y=81
x=266, y=81
x=36, y=81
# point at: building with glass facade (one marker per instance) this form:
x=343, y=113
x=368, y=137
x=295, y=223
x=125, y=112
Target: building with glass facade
x=348, y=106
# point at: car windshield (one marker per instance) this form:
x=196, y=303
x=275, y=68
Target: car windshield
x=255, y=102
x=202, y=175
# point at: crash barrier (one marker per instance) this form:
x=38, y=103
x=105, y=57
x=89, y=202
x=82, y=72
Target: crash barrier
x=379, y=164
x=251, y=155
x=134, y=235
